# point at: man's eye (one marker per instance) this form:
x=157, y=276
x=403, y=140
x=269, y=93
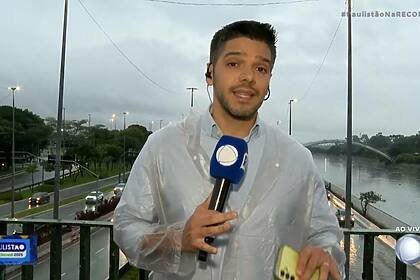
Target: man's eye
x=233, y=64
x=262, y=69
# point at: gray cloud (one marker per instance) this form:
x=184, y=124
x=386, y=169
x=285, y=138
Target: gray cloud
x=170, y=44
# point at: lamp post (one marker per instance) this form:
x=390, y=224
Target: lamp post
x=290, y=114
x=349, y=139
x=124, y=113
x=12, y=210
x=192, y=95
x=114, y=122
x=63, y=131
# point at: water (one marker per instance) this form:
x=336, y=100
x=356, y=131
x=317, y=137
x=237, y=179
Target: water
x=399, y=185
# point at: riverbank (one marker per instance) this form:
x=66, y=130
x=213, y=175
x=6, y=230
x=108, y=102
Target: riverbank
x=399, y=185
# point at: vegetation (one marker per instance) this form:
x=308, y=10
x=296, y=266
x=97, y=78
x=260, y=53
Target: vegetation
x=31, y=133
x=93, y=146
x=32, y=168
x=404, y=149
x=369, y=197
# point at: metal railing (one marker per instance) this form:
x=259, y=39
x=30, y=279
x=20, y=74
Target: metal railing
x=56, y=231
x=57, y=227
x=369, y=247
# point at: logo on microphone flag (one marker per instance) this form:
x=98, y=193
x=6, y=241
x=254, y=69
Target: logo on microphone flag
x=227, y=155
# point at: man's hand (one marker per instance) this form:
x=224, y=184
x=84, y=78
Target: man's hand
x=202, y=223
x=311, y=258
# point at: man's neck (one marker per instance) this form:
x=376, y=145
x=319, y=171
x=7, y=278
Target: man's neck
x=232, y=126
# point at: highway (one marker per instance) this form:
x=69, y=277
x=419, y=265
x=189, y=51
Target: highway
x=384, y=258
x=25, y=179
x=21, y=205
x=70, y=261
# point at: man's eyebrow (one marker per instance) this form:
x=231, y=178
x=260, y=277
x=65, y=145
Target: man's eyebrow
x=233, y=53
x=264, y=59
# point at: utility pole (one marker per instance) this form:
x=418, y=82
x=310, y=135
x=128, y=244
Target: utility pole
x=290, y=114
x=349, y=140
x=124, y=180
x=89, y=121
x=12, y=210
x=56, y=240
x=192, y=94
x=63, y=129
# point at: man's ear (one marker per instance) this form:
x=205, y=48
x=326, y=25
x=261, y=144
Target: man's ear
x=209, y=74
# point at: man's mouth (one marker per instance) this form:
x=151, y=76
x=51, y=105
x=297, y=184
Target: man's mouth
x=244, y=94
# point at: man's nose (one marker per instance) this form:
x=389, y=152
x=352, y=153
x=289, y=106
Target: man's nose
x=247, y=75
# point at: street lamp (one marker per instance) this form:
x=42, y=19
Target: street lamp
x=290, y=114
x=124, y=113
x=13, y=89
x=114, y=121
x=192, y=95
x=89, y=115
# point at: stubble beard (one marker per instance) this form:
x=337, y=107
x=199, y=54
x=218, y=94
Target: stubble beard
x=237, y=113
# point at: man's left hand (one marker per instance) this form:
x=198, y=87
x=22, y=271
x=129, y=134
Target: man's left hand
x=311, y=258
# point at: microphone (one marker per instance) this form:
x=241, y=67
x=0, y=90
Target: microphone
x=227, y=166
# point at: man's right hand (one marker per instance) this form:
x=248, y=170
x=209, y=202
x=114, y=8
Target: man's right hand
x=204, y=222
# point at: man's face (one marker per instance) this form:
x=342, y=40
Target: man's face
x=241, y=77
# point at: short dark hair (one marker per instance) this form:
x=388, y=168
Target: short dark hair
x=245, y=28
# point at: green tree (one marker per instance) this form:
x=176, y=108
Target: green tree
x=32, y=168
x=31, y=133
x=369, y=197
x=379, y=141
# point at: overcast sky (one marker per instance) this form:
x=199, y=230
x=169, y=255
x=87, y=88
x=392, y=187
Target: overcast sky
x=170, y=44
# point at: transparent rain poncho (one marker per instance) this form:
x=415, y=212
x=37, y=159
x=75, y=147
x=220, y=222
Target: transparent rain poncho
x=287, y=204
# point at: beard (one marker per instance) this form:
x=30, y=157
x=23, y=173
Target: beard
x=243, y=113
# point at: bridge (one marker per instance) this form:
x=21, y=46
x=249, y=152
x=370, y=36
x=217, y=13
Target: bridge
x=340, y=141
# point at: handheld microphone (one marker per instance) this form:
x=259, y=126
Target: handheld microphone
x=227, y=165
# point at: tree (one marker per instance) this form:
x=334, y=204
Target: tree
x=364, y=139
x=369, y=197
x=31, y=168
x=379, y=141
x=31, y=133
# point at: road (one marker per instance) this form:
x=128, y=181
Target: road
x=65, y=193
x=70, y=262
x=25, y=179
x=384, y=258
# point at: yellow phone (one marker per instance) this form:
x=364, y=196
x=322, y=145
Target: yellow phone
x=286, y=264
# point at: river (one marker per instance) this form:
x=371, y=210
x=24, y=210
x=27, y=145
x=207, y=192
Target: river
x=399, y=184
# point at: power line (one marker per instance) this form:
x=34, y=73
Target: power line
x=319, y=68
x=230, y=4
x=137, y=68
x=323, y=61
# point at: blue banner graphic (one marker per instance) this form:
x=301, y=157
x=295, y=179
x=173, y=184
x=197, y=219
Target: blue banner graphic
x=18, y=249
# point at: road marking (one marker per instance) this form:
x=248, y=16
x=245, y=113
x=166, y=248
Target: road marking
x=100, y=250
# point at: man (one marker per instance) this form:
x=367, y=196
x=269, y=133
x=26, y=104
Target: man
x=163, y=216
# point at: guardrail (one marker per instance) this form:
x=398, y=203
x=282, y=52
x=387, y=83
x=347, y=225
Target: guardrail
x=368, y=250
x=57, y=227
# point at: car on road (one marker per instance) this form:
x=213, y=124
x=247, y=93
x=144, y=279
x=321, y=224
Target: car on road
x=118, y=189
x=94, y=197
x=341, y=217
x=39, y=198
